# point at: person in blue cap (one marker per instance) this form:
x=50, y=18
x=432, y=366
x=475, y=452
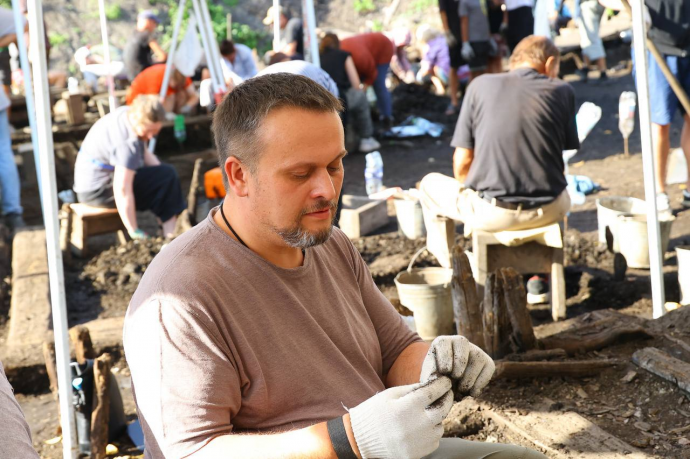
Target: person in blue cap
x=142, y=50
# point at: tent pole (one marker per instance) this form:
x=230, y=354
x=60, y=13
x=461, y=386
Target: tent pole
x=52, y=227
x=213, y=46
x=308, y=6
x=276, y=25
x=106, y=55
x=655, y=254
x=168, y=62
x=28, y=85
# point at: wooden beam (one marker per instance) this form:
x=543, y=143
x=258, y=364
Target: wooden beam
x=664, y=366
x=594, y=336
x=516, y=305
x=574, y=369
x=101, y=406
x=83, y=347
x=466, y=308
x=536, y=355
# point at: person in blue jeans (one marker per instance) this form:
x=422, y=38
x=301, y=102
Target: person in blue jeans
x=9, y=176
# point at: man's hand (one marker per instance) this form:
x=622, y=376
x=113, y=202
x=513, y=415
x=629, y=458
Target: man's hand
x=493, y=47
x=403, y=421
x=467, y=52
x=461, y=361
x=450, y=39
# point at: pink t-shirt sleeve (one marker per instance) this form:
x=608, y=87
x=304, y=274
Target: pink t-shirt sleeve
x=178, y=363
x=393, y=333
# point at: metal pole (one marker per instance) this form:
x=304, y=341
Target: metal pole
x=52, y=226
x=28, y=85
x=213, y=45
x=207, y=46
x=308, y=6
x=106, y=55
x=276, y=25
x=655, y=254
x=168, y=62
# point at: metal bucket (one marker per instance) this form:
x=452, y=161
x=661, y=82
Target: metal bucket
x=608, y=210
x=633, y=239
x=410, y=218
x=426, y=292
x=683, y=256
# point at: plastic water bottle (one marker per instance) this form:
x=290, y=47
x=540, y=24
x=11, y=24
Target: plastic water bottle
x=180, y=129
x=626, y=116
x=373, y=173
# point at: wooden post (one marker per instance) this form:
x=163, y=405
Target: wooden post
x=466, y=308
x=66, y=232
x=51, y=369
x=101, y=406
x=497, y=328
x=573, y=369
x=81, y=340
x=228, y=33
x=516, y=306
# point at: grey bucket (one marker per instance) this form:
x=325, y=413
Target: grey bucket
x=634, y=241
x=608, y=210
x=410, y=218
x=683, y=256
x=426, y=292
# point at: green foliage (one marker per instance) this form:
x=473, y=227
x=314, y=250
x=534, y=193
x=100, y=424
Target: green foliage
x=242, y=33
x=364, y=6
x=57, y=39
x=377, y=26
x=113, y=12
x=6, y=4
x=421, y=6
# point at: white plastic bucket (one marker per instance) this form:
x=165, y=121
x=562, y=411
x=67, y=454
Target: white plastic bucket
x=683, y=256
x=633, y=239
x=608, y=210
x=410, y=218
x=426, y=292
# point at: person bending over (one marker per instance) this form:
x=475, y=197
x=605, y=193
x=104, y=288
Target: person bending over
x=115, y=169
x=509, y=141
x=181, y=97
x=260, y=332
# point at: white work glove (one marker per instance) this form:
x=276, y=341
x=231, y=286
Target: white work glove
x=186, y=110
x=403, y=421
x=465, y=364
x=493, y=47
x=450, y=39
x=467, y=52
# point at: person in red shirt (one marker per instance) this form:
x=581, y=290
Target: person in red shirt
x=181, y=96
x=372, y=53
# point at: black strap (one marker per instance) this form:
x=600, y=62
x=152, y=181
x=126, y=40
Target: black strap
x=230, y=227
x=338, y=435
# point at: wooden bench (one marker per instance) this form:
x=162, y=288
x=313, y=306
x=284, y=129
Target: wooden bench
x=82, y=221
x=528, y=258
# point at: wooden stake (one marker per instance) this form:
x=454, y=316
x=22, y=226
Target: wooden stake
x=625, y=147
x=101, y=406
x=466, y=308
x=81, y=340
x=664, y=366
x=51, y=369
x=516, y=305
x=575, y=369
x=497, y=329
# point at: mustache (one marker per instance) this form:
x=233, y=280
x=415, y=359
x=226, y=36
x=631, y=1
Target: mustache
x=321, y=204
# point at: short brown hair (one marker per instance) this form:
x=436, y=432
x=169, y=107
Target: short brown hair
x=237, y=120
x=329, y=41
x=534, y=50
x=227, y=47
x=147, y=108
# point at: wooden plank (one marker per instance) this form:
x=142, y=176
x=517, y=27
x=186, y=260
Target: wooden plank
x=664, y=366
x=536, y=355
x=361, y=215
x=573, y=368
x=101, y=406
x=466, y=308
x=81, y=341
x=516, y=306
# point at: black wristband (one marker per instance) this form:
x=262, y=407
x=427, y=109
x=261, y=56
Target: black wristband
x=338, y=435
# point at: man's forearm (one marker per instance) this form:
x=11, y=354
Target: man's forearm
x=462, y=161
x=309, y=442
x=408, y=365
x=465, y=28
x=444, y=21
x=5, y=40
x=126, y=207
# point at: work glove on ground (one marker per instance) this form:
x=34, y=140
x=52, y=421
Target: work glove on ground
x=467, y=52
x=450, y=39
x=138, y=234
x=465, y=364
x=404, y=421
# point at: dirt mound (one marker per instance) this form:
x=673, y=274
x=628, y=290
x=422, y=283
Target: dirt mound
x=585, y=250
x=414, y=99
x=678, y=320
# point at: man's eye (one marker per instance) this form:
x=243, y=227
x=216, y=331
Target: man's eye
x=333, y=170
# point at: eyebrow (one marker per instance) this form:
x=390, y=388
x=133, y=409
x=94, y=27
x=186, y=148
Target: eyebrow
x=341, y=155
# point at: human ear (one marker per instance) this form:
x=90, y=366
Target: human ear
x=237, y=174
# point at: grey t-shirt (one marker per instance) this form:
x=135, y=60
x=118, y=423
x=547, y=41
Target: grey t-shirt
x=15, y=436
x=219, y=340
x=110, y=142
x=478, y=22
x=518, y=125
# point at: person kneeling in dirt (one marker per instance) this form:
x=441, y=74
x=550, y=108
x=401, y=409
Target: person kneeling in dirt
x=264, y=319
x=115, y=169
x=509, y=141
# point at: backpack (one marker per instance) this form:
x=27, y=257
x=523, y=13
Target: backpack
x=670, y=30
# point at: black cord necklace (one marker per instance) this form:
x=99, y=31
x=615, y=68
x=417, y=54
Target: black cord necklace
x=230, y=227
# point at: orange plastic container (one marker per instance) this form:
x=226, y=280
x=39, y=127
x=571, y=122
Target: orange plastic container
x=213, y=184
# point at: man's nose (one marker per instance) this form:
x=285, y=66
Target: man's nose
x=323, y=186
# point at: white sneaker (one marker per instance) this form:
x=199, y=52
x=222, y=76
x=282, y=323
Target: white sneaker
x=663, y=204
x=368, y=145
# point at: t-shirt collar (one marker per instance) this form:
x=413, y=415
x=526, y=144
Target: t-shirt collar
x=527, y=72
